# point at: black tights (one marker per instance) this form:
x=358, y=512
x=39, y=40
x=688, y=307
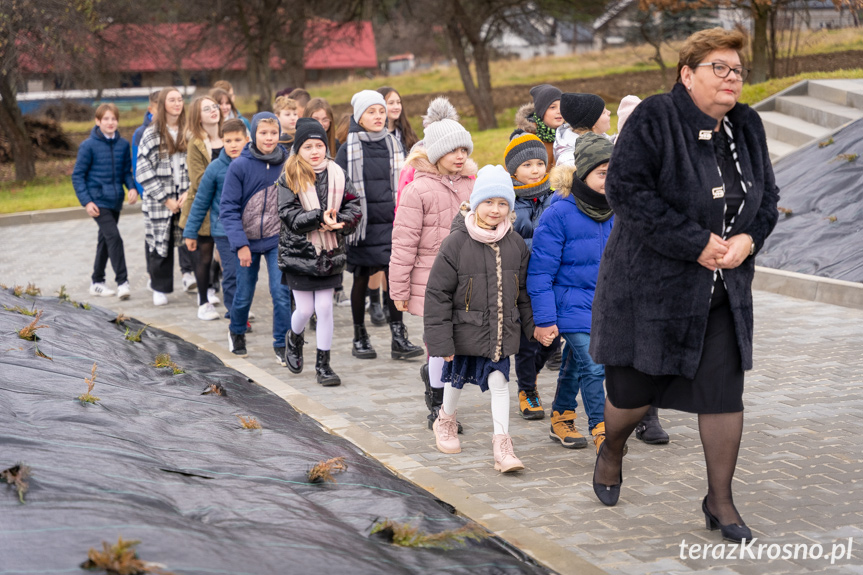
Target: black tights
x=358, y=300
x=720, y=437
x=202, y=267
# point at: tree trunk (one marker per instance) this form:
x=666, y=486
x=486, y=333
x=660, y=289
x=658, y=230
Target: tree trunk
x=485, y=112
x=12, y=123
x=485, y=118
x=759, y=45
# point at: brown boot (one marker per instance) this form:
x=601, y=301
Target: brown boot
x=563, y=430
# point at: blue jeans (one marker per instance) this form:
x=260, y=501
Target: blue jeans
x=578, y=371
x=230, y=265
x=247, y=279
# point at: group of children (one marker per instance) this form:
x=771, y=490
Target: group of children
x=499, y=262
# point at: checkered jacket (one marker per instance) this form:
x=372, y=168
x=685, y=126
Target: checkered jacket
x=155, y=174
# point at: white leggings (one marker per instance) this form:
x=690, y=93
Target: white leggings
x=435, y=371
x=499, y=388
x=315, y=302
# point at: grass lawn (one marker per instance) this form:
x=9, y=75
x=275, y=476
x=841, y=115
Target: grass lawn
x=42, y=194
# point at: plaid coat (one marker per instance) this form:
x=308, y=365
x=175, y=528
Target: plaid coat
x=155, y=174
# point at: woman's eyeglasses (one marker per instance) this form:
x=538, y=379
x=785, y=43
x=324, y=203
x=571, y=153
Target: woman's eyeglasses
x=208, y=109
x=723, y=70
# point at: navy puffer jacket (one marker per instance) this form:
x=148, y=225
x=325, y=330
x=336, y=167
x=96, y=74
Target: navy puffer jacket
x=375, y=249
x=102, y=169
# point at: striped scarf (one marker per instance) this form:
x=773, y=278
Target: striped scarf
x=325, y=241
x=355, y=170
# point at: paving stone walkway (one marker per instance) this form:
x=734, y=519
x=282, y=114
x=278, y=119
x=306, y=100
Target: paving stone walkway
x=800, y=473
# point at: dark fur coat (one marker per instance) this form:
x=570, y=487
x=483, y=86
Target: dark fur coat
x=652, y=297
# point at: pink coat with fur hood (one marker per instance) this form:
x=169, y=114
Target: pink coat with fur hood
x=427, y=208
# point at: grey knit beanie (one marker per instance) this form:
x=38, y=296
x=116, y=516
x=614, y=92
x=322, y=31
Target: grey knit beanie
x=443, y=133
x=492, y=182
x=364, y=100
x=544, y=96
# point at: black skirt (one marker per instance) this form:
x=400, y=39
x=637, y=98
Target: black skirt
x=718, y=383
x=311, y=283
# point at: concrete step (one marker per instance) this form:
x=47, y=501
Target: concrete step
x=842, y=92
x=791, y=130
x=778, y=149
x=817, y=111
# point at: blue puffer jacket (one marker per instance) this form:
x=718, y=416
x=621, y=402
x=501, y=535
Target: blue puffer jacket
x=102, y=169
x=564, y=265
x=209, y=197
x=249, y=208
x=375, y=249
x=527, y=214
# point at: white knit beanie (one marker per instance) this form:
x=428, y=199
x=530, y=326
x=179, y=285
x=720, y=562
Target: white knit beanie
x=364, y=100
x=627, y=105
x=443, y=133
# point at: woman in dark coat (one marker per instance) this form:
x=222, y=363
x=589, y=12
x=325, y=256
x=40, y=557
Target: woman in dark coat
x=373, y=160
x=318, y=209
x=694, y=195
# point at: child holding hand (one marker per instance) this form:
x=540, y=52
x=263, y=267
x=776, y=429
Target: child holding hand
x=318, y=209
x=476, y=305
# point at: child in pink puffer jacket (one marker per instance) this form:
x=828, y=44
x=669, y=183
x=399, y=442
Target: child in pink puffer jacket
x=442, y=181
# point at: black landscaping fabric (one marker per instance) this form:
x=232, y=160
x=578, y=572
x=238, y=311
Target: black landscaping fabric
x=156, y=461
x=822, y=186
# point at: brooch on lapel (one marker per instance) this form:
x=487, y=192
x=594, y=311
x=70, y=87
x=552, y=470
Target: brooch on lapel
x=705, y=135
x=718, y=192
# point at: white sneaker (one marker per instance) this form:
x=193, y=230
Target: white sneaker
x=190, y=285
x=99, y=289
x=124, y=290
x=341, y=299
x=207, y=312
x=251, y=315
x=160, y=298
x=212, y=298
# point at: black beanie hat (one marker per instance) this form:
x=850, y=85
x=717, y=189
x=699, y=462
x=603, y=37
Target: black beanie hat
x=308, y=128
x=544, y=96
x=581, y=110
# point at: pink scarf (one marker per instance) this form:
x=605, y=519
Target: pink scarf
x=486, y=236
x=325, y=241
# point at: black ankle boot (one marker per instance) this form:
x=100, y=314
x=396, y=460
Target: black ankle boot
x=294, y=351
x=649, y=429
x=376, y=312
x=402, y=348
x=323, y=372
x=434, y=397
x=362, y=344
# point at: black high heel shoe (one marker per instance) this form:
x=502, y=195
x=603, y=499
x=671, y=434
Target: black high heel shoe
x=607, y=494
x=731, y=532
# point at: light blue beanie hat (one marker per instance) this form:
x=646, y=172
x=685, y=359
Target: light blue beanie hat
x=492, y=182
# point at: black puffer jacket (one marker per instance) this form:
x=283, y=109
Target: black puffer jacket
x=375, y=249
x=461, y=304
x=296, y=253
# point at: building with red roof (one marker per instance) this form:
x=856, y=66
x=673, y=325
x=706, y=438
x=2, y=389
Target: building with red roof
x=186, y=54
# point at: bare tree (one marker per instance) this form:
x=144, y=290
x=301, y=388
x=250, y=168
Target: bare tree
x=763, y=12
x=45, y=33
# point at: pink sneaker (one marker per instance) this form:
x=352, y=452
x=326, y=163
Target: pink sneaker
x=446, y=433
x=505, y=460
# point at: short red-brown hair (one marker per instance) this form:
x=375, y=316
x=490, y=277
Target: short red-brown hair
x=107, y=107
x=703, y=42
